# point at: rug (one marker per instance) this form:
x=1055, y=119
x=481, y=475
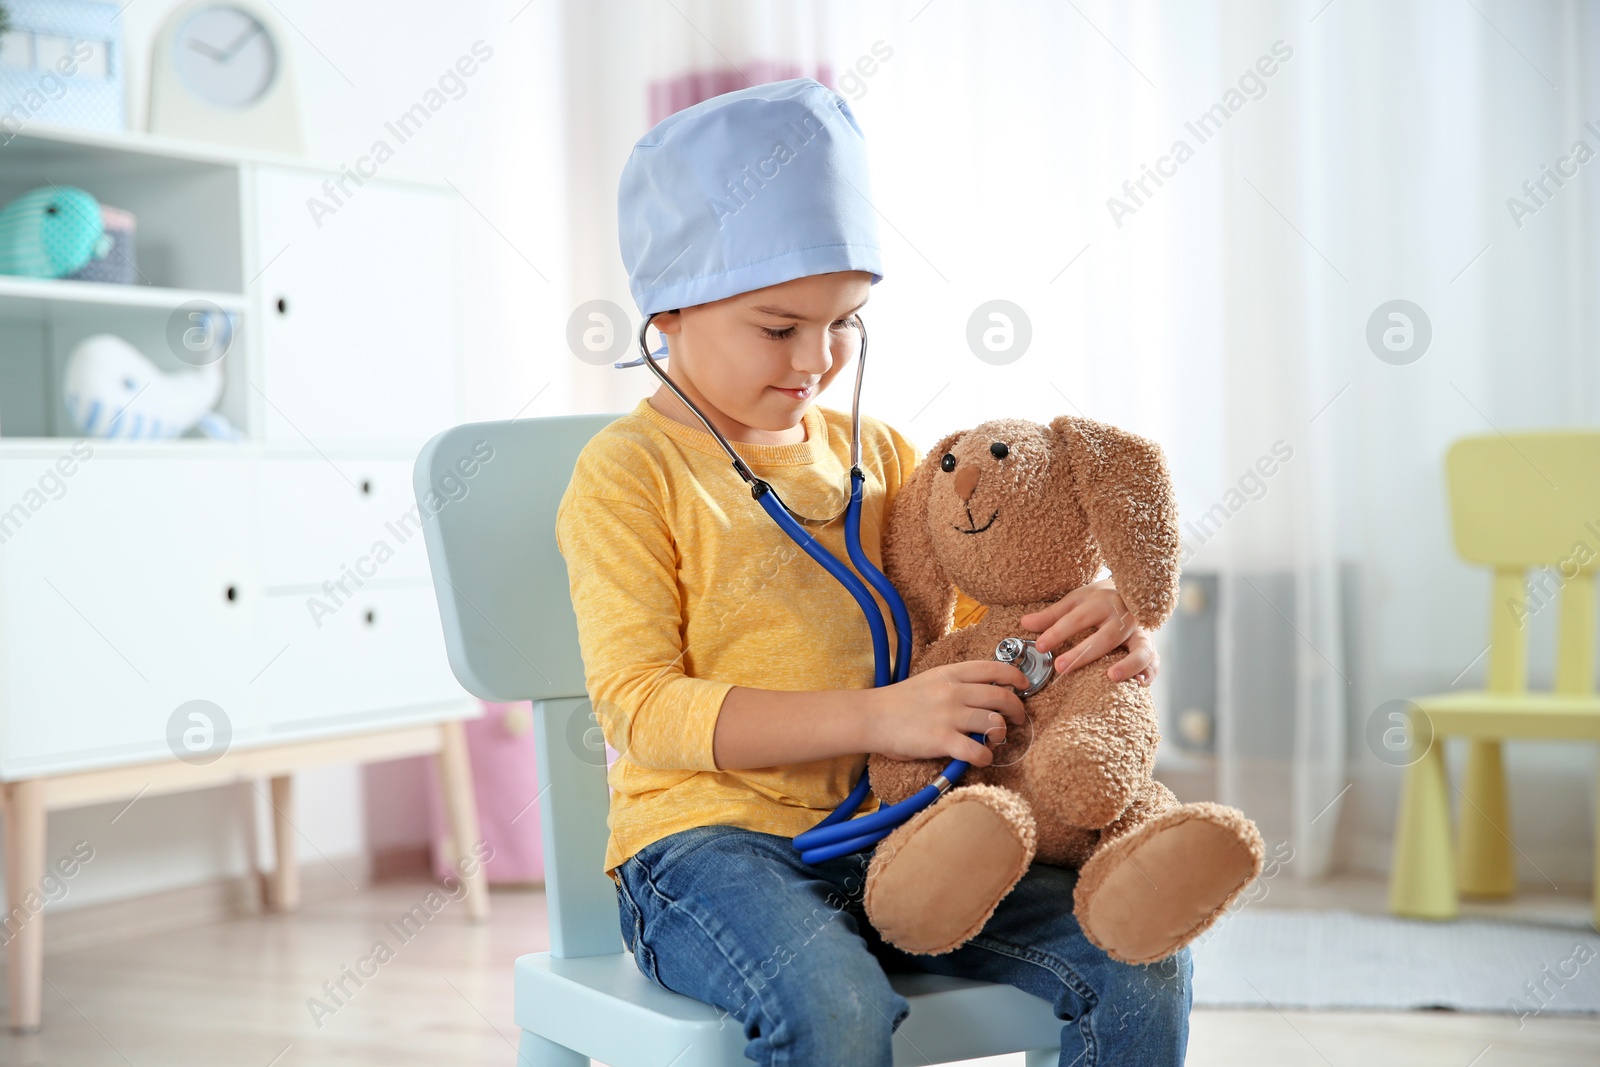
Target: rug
x=1265, y=958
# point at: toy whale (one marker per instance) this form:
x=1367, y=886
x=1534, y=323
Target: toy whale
x=112, y=390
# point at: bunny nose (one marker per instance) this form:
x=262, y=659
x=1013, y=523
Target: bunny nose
x=966, y=481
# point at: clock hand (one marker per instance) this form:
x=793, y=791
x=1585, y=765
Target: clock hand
x=243, y=39
x=204, y=49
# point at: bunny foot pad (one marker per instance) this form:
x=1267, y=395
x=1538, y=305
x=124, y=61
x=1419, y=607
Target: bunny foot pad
x=1144, y=897
x=936, y=880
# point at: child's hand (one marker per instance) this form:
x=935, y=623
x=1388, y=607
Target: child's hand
x=1097, y=606
x=930, y=714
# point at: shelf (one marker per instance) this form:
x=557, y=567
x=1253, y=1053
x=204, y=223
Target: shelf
x=341, y=452
x=29, y=294
x=42, y=146
x=167, y=448
x=47, y=140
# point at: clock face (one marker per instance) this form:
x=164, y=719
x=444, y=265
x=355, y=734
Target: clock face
x=225, y=57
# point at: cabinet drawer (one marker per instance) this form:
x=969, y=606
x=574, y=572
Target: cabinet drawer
x=128, y=595
x=340, y=521
x=342, y=662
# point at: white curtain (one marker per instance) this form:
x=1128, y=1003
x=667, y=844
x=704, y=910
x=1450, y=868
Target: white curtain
x=1335, y=158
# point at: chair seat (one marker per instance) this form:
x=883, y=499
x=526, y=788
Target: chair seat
x=1480, y=713
x=602, y=1007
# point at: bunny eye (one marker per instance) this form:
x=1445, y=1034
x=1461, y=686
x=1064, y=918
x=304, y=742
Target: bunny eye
x=948, y=463
x=999, y=450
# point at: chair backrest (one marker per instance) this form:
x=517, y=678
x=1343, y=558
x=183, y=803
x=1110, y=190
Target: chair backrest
x=488, y=493
x=1528, y=500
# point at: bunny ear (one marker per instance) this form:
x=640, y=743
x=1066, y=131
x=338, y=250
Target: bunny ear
x=1126, y=494
x=908, y=556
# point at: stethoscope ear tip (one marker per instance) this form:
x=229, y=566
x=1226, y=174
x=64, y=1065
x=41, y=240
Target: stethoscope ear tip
x=658, y=354
x=640, y=361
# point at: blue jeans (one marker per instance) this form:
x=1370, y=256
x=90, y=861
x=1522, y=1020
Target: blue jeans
x=733, y=918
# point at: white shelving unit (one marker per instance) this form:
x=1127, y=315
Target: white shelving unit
x=26, y=296
x=280, y=577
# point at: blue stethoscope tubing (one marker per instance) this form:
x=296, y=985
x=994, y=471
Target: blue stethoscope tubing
x=838, y=834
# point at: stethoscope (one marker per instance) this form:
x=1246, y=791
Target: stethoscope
x=838, y=834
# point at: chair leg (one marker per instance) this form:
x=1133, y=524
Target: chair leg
x=23, y=927
x=283, y=885
x=461, y=807
x=1486, y=867
x=1597, y=855
x=536, y=1051
x=1044, y=1057
x=1422, y=877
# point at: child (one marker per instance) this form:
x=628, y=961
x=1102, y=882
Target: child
x=733, y=675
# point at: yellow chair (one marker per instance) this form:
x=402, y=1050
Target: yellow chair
x=1516, y=502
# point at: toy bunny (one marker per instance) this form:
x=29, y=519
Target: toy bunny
x=1016, y=515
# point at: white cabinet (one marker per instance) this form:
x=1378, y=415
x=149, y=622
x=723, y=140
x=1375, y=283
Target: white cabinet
x=334, y=672
x=279, y=578
x=253, y=577
x=282, y=577
x=366, y=527
x=348, y=621
x=116, y=604
x=357, y=308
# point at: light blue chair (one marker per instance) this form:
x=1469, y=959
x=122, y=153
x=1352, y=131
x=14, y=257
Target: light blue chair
x=510, y=634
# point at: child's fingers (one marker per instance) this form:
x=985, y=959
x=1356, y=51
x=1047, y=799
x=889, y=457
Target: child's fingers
x=1081, y=617
x=1061, y=621
x=1050, y=639
x=1038, y=620
x=1140, y=664
x=974, y=753
x=1090, y=649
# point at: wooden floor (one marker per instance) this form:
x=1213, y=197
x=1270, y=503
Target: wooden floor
x=237, y=992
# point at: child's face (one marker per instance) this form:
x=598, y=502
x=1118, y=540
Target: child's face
x=760, y=358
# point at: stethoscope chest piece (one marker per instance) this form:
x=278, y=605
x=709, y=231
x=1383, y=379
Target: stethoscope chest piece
x=1024, y=655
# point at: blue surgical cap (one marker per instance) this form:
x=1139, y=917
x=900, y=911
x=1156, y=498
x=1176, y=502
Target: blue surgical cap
x=742, y=191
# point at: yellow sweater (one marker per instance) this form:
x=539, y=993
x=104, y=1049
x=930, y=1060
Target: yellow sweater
x=684, y=588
